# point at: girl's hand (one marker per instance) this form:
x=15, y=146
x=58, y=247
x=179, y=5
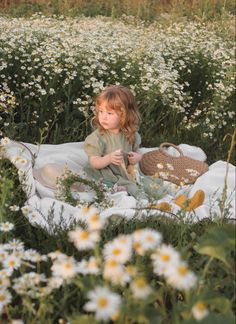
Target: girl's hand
x=116, y=157
x=134, y=157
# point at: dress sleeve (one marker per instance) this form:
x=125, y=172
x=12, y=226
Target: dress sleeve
x=93, y=145
x=137, y=142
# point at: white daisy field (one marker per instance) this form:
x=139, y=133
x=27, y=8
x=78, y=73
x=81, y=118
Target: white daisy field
x=159, y=269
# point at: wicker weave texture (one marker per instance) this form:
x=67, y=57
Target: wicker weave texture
x=178, y=170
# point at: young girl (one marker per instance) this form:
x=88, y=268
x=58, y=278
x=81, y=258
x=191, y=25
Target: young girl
x=115, y=142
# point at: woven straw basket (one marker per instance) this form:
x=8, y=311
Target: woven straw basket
x=176, y=169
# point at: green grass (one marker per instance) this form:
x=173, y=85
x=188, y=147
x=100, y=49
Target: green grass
x=208, y=246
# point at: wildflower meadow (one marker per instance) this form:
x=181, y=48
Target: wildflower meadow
x=161, y=270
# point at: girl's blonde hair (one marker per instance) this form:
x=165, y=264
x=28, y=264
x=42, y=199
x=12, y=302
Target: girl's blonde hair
x=122, y=100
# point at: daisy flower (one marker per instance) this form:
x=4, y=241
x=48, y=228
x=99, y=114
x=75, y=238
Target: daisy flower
x=12, y=262
x=4, y=281
x=115, y=272
x=103, y=302
x=160, y=165
x=19, y=162
x=57, y=255
x=131, y=270
x=31, y=279
x=26, y=209
x=86, y=212
x=6, y=227
x=14, y=208
x=5, y=141
x=30, y=284
x=82, y=239
x=15, y=245
x=4, y=273
x=33, y=256
x=95, y=222
x=119, y=249
x=180, y=277
x=164, y=258
x=55, y=282
x=3, y=254
x=5, y=298
x=140, y=288
x=199, y=310
x=89, y=267
x=65, y=268
x=170, y=166
x=146, y=239
x=34, y=217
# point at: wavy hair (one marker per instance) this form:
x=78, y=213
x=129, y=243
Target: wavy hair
x=122, y=100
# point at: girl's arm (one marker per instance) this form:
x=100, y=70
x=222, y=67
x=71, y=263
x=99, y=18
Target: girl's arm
x=134, y=157
x=100, y=162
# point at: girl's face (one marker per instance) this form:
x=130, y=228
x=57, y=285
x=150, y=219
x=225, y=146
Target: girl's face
x=109, y=119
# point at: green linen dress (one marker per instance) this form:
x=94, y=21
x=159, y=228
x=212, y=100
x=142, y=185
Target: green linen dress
x=101, y=144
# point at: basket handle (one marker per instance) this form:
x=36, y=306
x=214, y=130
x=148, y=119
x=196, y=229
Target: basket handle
x=170, y=144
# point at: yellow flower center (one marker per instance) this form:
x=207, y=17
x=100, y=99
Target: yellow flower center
x=116, y=251
x=136, y=246
x=91, y=265
x=112, y=263
x=85, y=210
x=165, y=257
x=12, y=263
x=102, y=302
x=130, y=269
x=2, y=298
x=84, y=235
x=183, y=270
x=115, y=316
x=94, y=218
x=200, y=306
x=140, y=282
x=67, y=266
x=149, y=238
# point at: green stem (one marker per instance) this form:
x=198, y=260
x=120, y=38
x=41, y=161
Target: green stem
x=5, y=190
x=205, y=270
x=96, y=251
x=187, y=297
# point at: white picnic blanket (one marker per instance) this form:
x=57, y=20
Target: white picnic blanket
x=44, y=209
